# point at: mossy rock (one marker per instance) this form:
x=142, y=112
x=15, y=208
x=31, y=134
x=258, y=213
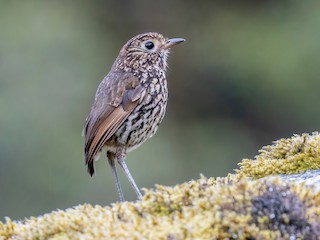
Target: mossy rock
x=286, y=156
x=238, y=206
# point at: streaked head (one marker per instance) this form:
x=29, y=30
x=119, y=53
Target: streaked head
x=147, y=49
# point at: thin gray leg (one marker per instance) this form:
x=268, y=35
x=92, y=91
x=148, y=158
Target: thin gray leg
x=123, y=164
x=115, y=175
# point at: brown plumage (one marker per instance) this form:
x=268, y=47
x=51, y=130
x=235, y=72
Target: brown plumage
x=130, y=102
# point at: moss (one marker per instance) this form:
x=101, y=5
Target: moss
x=205, y=209
x=233, y=207
x=286, y=156
x=280, y=209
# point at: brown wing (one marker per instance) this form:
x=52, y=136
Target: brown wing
x=117, y=95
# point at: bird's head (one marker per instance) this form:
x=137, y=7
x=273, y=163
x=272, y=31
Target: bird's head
x=146, y=50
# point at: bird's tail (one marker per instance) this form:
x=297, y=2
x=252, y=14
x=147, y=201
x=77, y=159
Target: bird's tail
x=90, y=166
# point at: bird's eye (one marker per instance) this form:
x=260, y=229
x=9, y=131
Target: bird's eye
x=149, y=45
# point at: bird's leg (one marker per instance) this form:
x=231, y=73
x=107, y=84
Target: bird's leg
x=122, y=163
x=111, y=158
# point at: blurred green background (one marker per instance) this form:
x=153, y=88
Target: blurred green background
x=247, y=75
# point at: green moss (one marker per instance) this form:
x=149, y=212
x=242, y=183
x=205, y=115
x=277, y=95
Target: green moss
x=286, y=156
x=204, y=209
x=233, y=207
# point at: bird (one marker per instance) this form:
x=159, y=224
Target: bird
x=129, y=104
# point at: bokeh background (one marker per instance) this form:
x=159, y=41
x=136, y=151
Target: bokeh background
x=247, y=75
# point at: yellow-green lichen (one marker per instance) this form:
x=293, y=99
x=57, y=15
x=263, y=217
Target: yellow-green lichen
x=286, y=156
x=203, y=209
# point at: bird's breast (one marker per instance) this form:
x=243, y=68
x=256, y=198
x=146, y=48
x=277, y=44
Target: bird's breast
x=143, y=122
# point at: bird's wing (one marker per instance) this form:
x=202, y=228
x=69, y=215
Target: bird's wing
x=117, y=96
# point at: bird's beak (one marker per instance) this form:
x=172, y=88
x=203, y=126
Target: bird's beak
x=172, y=42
